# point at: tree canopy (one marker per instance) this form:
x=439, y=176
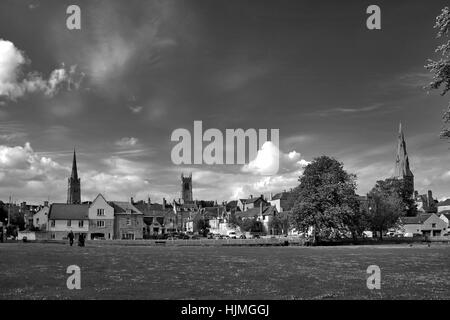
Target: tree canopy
x=386, y=205
x=326, y=200
x=441, y=67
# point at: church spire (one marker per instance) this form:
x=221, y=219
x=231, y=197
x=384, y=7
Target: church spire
x=73, y=188
x=74, y=166
x=402, y=161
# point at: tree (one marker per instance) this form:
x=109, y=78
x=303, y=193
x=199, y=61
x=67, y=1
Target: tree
x=252, y=225
x=280, y=223
x=326, y=200
x=386, y=205
x=201, y=225
x=441, y=68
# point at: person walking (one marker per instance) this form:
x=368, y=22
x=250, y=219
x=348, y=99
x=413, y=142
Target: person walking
x=71, y=237
x=81, y=240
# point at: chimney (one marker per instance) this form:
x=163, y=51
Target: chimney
x=430, y=198
x=132, y=200
x=262, y=196
x=164, y=204
x=260, y=208
x=45, y=203
x=251, y=196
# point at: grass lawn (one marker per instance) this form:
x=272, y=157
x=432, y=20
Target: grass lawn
x=38, y=271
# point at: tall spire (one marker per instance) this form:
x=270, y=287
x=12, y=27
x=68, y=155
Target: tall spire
x=74, y=188
x=74, y=166
x=402, y=161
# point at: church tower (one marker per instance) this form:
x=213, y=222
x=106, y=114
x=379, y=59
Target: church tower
x=73, y=190
x=402, y=170
x=186, y=188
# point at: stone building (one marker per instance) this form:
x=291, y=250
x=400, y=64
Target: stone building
x=101, y=219
x=128, y=221
x=74, y=184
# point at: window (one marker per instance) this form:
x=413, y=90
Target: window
x=100, y=212
x=80, y=224
x=53, y=223
x=433, y=225
x=69, y=223
x=37, y=220
x=101, y=224
x=128, y=222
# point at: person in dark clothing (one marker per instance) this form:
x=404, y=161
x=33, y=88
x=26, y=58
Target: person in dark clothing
x=70, y=236
x=81, y=240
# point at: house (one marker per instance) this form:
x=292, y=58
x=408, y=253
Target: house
x=64, y=218
x=443, y=206
x=425, y=224
x=40, y=218
x=252, y=202
x=101, y=219
x=128, y=221
x=159, y=219
x=283, y=201
x=425, y=202
x=445, y=216
x=264, y=214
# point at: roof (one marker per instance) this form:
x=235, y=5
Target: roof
x=444, y=203
x=251, y=200
x=213, y=212
x=419, y=219
x=64, y=211
x=446, y=213
x=153, y=210
x=121, y=207
x=267, y=211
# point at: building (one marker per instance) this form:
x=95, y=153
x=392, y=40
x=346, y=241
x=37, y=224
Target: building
x=64, y=218
x=402, y=169
x=283, y=201
x=425, y=202
x=101, y=219
x=186, y=189
x=40, y=218
x=159, y=219
x=128, y=221
x=445, y=216
x=425, y=224
x=252, y=202
x=263, y=213
x=443, y=206
x=74, y=187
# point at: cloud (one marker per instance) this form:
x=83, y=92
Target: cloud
x=346, y=110
x=136, y=109
x=13, y=84
x=127, y=142
x=269, y=161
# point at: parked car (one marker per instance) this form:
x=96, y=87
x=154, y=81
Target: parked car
x=242, y=236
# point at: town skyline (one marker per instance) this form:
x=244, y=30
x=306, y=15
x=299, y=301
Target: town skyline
x=125, y=86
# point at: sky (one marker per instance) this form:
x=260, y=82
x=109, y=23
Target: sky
x=138, y=70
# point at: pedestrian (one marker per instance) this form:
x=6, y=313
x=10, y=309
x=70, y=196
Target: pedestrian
x=70, y=236
x=81, y=240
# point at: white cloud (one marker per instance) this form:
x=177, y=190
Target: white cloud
x=14, y=85
x=127, y=142
x=136, y=109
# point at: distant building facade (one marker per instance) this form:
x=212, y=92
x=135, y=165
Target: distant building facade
x=101, y=219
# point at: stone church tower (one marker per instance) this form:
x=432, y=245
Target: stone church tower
x=402, y=170
x=186, y=189
x=74, y=190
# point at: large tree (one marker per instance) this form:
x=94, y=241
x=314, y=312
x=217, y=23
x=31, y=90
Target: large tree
x=441, y=67
x=386, y=205
x=326, y=200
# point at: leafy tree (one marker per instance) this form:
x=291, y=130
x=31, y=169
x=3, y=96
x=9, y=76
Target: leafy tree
x=280, y=223
x=386, y=205
x=201, y=225
x=441, y=68
x=326, y=200
x=252, y=225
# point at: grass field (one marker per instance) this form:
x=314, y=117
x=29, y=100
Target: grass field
x=38, y=271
